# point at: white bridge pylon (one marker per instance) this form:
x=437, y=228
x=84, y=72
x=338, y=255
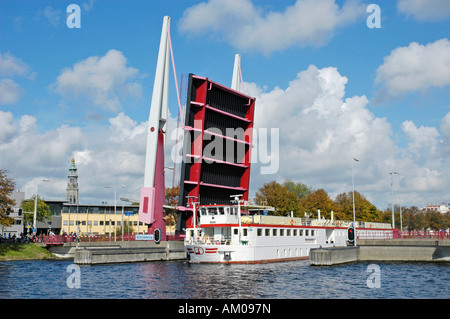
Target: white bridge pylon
x=153, y=191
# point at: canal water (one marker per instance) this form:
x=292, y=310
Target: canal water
x=61, y=279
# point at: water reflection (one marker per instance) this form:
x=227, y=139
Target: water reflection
x=170, y=280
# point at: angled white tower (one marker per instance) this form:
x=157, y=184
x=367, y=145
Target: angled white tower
x=153, y=191
x=236, y=80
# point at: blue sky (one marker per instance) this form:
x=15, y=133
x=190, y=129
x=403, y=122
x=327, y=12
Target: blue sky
x=334, y=87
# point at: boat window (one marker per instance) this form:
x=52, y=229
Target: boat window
x=312, y=232
x=236, y=231
x=221, y=210
x=212, y=211
x=281, y=232
x=307, y=232
x=259, y=232
x=191, y=233
x=295, y=232
x=203, y=211
x=301, y=232
x=274, y=232
x=267, y=232
x=245, y=232
x=288, y=232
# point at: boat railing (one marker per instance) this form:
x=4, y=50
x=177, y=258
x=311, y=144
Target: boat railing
x=208, y=240
x=305, y=221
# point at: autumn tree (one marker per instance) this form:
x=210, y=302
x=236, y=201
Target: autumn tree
x=364, y=209
x=6, y=203
x=316, y=200
x=278, y=196
x=172, y=196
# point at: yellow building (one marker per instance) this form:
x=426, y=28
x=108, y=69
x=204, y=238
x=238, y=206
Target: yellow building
x=100, y=219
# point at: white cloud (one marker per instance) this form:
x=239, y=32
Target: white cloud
x=422, y=138
x=11, y=66
x=247, y=27
x=425, y=10
x=105, y=155
x=105, y=81
x=321, y=130
x=9, y=91
x=7, y=127
x=49, y=14
x=415, y=67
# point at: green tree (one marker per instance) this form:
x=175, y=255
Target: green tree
x=42, y=213
x=6, y=203
x=298, y=188
x=316, y=200
x=127, y=229
x=278, y=196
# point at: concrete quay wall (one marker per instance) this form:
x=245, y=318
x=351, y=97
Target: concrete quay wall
x=383, y=250
x=333, y=255
x=132, y=251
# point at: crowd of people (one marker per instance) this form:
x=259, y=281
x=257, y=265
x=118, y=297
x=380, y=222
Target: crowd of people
x=21, y=238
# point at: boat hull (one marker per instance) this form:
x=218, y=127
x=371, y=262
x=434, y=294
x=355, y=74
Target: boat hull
x=245, y=254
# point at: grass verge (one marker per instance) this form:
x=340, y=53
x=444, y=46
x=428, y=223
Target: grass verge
x=17, y=251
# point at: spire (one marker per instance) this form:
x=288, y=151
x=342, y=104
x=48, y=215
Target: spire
x=72, y=184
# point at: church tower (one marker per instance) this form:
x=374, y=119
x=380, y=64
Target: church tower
x=72, y=184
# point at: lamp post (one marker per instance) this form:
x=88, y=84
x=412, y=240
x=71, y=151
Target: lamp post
x=115, y=212
x=35, y=206
x=354, y=215
x=392, y=196
x=238, y=200
x=194, y=212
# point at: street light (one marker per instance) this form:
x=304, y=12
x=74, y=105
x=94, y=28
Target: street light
x=35, y=205
x=115, y=211
x=238, y=200
x=354, y=217
x=392, y=195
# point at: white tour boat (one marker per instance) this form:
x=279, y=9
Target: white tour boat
x=220, y=234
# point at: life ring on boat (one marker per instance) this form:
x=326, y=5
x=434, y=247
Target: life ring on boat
x=218, y=242
x=292, y=222
x=208, y=240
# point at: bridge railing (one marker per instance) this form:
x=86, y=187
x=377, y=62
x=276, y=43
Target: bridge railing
x=61, y=239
